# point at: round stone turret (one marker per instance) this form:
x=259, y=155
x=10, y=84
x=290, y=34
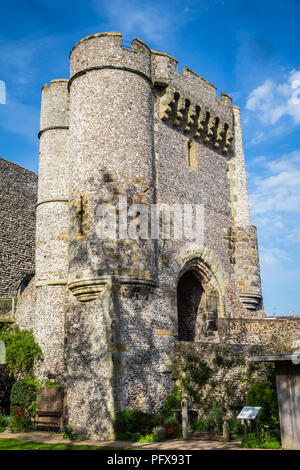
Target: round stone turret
x=111, y=155
x=52, y=227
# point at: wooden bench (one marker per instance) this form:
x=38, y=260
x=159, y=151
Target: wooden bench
x=49, y=409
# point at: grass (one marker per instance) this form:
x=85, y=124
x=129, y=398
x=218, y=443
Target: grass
x=15, y=444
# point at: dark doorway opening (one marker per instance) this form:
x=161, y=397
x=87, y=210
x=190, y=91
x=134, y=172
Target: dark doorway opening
x=189, y=293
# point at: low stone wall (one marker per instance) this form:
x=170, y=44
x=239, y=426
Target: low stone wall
x=280, y=334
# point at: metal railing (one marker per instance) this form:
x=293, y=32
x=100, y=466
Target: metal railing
x=8, y=308
x=126, y=45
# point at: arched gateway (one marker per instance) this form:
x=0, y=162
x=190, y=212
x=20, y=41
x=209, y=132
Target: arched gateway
x=198, y=301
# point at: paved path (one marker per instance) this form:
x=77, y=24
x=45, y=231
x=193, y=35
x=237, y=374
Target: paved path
x=171, y=444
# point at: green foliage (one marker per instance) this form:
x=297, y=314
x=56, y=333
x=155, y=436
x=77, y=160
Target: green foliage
x=50, y=384
x=3, y=422
x=197, y=374
x=213, y=421
x=22, y=394
x=159, y=433
x=236, y=427
x=4, y=326
x=23, y=404
x=170, y=419
x=128, y=436
x=21, y=420
x=70, y=433
x=267, y=442
x=21, y=350
x=200, y=425
x=215, y=418
x=172, y=428
x=148, y=438
x=132, y=421
x=264, y=394
x=32, y=380
x=173, y=401
x=228, y=363
x=6, y=383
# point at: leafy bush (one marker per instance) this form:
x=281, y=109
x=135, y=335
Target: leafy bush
x=200, y=425
x=264, y=394
x=128, y=436
x=173, y=401
x=6, y=383
x=148, y=438
x=23, y=404
x=159, y=433
x=172, y=428
x=3, y=422
x=266, y=442
x=22, y=419
x=215, y=418
x=130, y=422
x=21, y=350
x=22, y=394
x=236, y=427
x=212, y=422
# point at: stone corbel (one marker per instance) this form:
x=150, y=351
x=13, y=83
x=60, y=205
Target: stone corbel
x=179, y=113
x=219, y=132
x=228, y=138
x=165, y=104
x=86, y=290
x=191, y=114
x=251, y=300
x=200, y=120
x=195, y=119
x=209, y=127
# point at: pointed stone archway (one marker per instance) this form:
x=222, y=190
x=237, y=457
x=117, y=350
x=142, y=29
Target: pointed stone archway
x=199, y=302
x=189, y=293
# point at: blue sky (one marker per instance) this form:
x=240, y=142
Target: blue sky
x=250, y=50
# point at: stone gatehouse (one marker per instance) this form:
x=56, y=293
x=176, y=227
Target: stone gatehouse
x=111, y=313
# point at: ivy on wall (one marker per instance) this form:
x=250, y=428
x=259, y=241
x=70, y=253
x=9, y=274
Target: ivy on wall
x=195, y=377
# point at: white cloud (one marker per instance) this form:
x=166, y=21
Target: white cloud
x=152, y=20
x=278, y=191
x=272, y=255
x=273, y=100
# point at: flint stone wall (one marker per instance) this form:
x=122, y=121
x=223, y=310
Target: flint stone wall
x=281, y=334
x=18, y=196
x=232, y=373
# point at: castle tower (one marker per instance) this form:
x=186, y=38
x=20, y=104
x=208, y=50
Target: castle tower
x=111, y=156
x=126, y=132
x=52, y=228
x=244, y=238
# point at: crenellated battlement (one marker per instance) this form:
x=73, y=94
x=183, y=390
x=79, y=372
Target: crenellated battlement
x=196, y=119
x=105, y=50
x=165, y=72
